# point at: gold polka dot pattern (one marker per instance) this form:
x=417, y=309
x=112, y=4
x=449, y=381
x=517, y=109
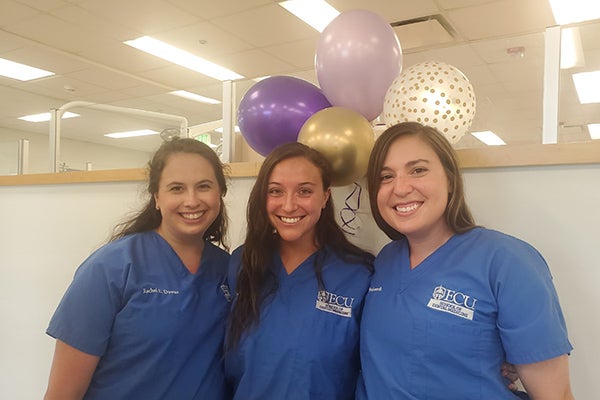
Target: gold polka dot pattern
x=432, y=93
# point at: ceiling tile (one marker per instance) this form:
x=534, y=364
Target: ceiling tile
x=266, y=26
x=300, y=53
x=501, y=18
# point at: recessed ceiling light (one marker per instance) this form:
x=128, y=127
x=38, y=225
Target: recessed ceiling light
x=587, y=84
x=142, y=132
x=21, y=72
x=571, y=11
x=46, y=117
x=183, y=58
x=316, y=13
x=489, y=138
x=594, y=130
x=195, y=97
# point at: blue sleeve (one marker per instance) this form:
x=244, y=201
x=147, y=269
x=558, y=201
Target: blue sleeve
x=235, y=261
x=530, y=321
x=85, y=315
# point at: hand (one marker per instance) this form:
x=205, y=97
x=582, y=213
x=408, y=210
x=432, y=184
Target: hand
x=509, y=371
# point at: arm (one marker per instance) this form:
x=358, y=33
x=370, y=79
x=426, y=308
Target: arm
x=70, y=374
x=547, y=380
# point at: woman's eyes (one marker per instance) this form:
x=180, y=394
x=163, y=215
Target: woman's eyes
x=415, y=171
x=302, y=192
x=385, y=177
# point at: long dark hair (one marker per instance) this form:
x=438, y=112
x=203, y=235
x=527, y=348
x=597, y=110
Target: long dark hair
x=457, y=213
x=149, y=218
x=256, y=280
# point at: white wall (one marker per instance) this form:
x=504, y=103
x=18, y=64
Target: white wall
x=48, y=230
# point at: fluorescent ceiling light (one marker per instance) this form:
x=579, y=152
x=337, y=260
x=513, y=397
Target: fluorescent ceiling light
x=594, y=130
x=183, y=58
x=120, y=135
x=571, y=50
x=21, y=72
x=316, y=13
x=570, y=11
x=46, y=117
x=195, y=97
x=489, y=138
x=587, y=84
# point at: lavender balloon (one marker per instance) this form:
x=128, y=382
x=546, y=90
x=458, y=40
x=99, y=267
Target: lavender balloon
x=273, y=110
x=358, y=56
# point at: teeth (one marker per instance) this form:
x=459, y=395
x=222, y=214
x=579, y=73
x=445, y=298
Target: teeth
x=407, y=208
x=192, y=216
x=289, y=220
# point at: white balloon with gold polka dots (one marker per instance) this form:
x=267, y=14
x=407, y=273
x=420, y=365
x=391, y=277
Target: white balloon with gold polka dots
x=432, y=93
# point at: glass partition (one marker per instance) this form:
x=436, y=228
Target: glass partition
x=507, y=76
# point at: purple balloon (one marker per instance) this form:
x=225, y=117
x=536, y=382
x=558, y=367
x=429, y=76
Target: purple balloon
x=273, y=110
x=358, y=57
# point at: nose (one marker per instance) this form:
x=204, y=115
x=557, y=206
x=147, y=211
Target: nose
x=402, y=186
x=191, y=198
x=289, y=202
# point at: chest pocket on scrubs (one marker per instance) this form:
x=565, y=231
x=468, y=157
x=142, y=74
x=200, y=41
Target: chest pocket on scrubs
x=443, y=351
x=331, y=350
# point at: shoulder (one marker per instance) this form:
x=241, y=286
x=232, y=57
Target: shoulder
x=234, y=265
x=339, y=262
x=119, y=252
x=500, y=242
x=391, y=249
x=506, y=255
x=215, y=252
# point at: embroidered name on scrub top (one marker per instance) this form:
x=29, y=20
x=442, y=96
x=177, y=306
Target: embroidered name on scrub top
x=158, y=291
x=335, y=304
x=452, y=302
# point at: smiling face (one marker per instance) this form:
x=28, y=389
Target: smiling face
x=295, y=198
x=188, y=197
x=413, y=191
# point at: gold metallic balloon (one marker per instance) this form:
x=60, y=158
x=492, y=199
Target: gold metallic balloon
x=345, y=137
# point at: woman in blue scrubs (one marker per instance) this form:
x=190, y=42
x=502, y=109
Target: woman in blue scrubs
x=299, y=285
x=145, y=315
x=449, y=301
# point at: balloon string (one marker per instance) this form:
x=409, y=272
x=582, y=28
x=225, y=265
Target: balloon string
x=348, y=213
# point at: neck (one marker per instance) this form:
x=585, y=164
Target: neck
x=188, y=251
x=421, y=248
x=292, y=254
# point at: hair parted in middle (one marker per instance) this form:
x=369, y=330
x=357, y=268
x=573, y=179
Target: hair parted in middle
x=256, y=280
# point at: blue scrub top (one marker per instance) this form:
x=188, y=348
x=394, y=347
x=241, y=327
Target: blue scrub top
x=443, y=329
x=305, y=346
x=157, y=328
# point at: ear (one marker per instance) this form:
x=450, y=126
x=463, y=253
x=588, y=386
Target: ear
x=155, y=195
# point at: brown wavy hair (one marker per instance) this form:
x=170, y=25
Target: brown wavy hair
x=457, y=213
x=149, y=218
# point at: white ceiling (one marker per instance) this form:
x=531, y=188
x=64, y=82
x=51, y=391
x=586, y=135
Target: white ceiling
x=81, y=42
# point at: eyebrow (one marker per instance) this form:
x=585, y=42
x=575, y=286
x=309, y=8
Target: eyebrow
x=299, y=184
x=410, y=163
x=195, y=183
